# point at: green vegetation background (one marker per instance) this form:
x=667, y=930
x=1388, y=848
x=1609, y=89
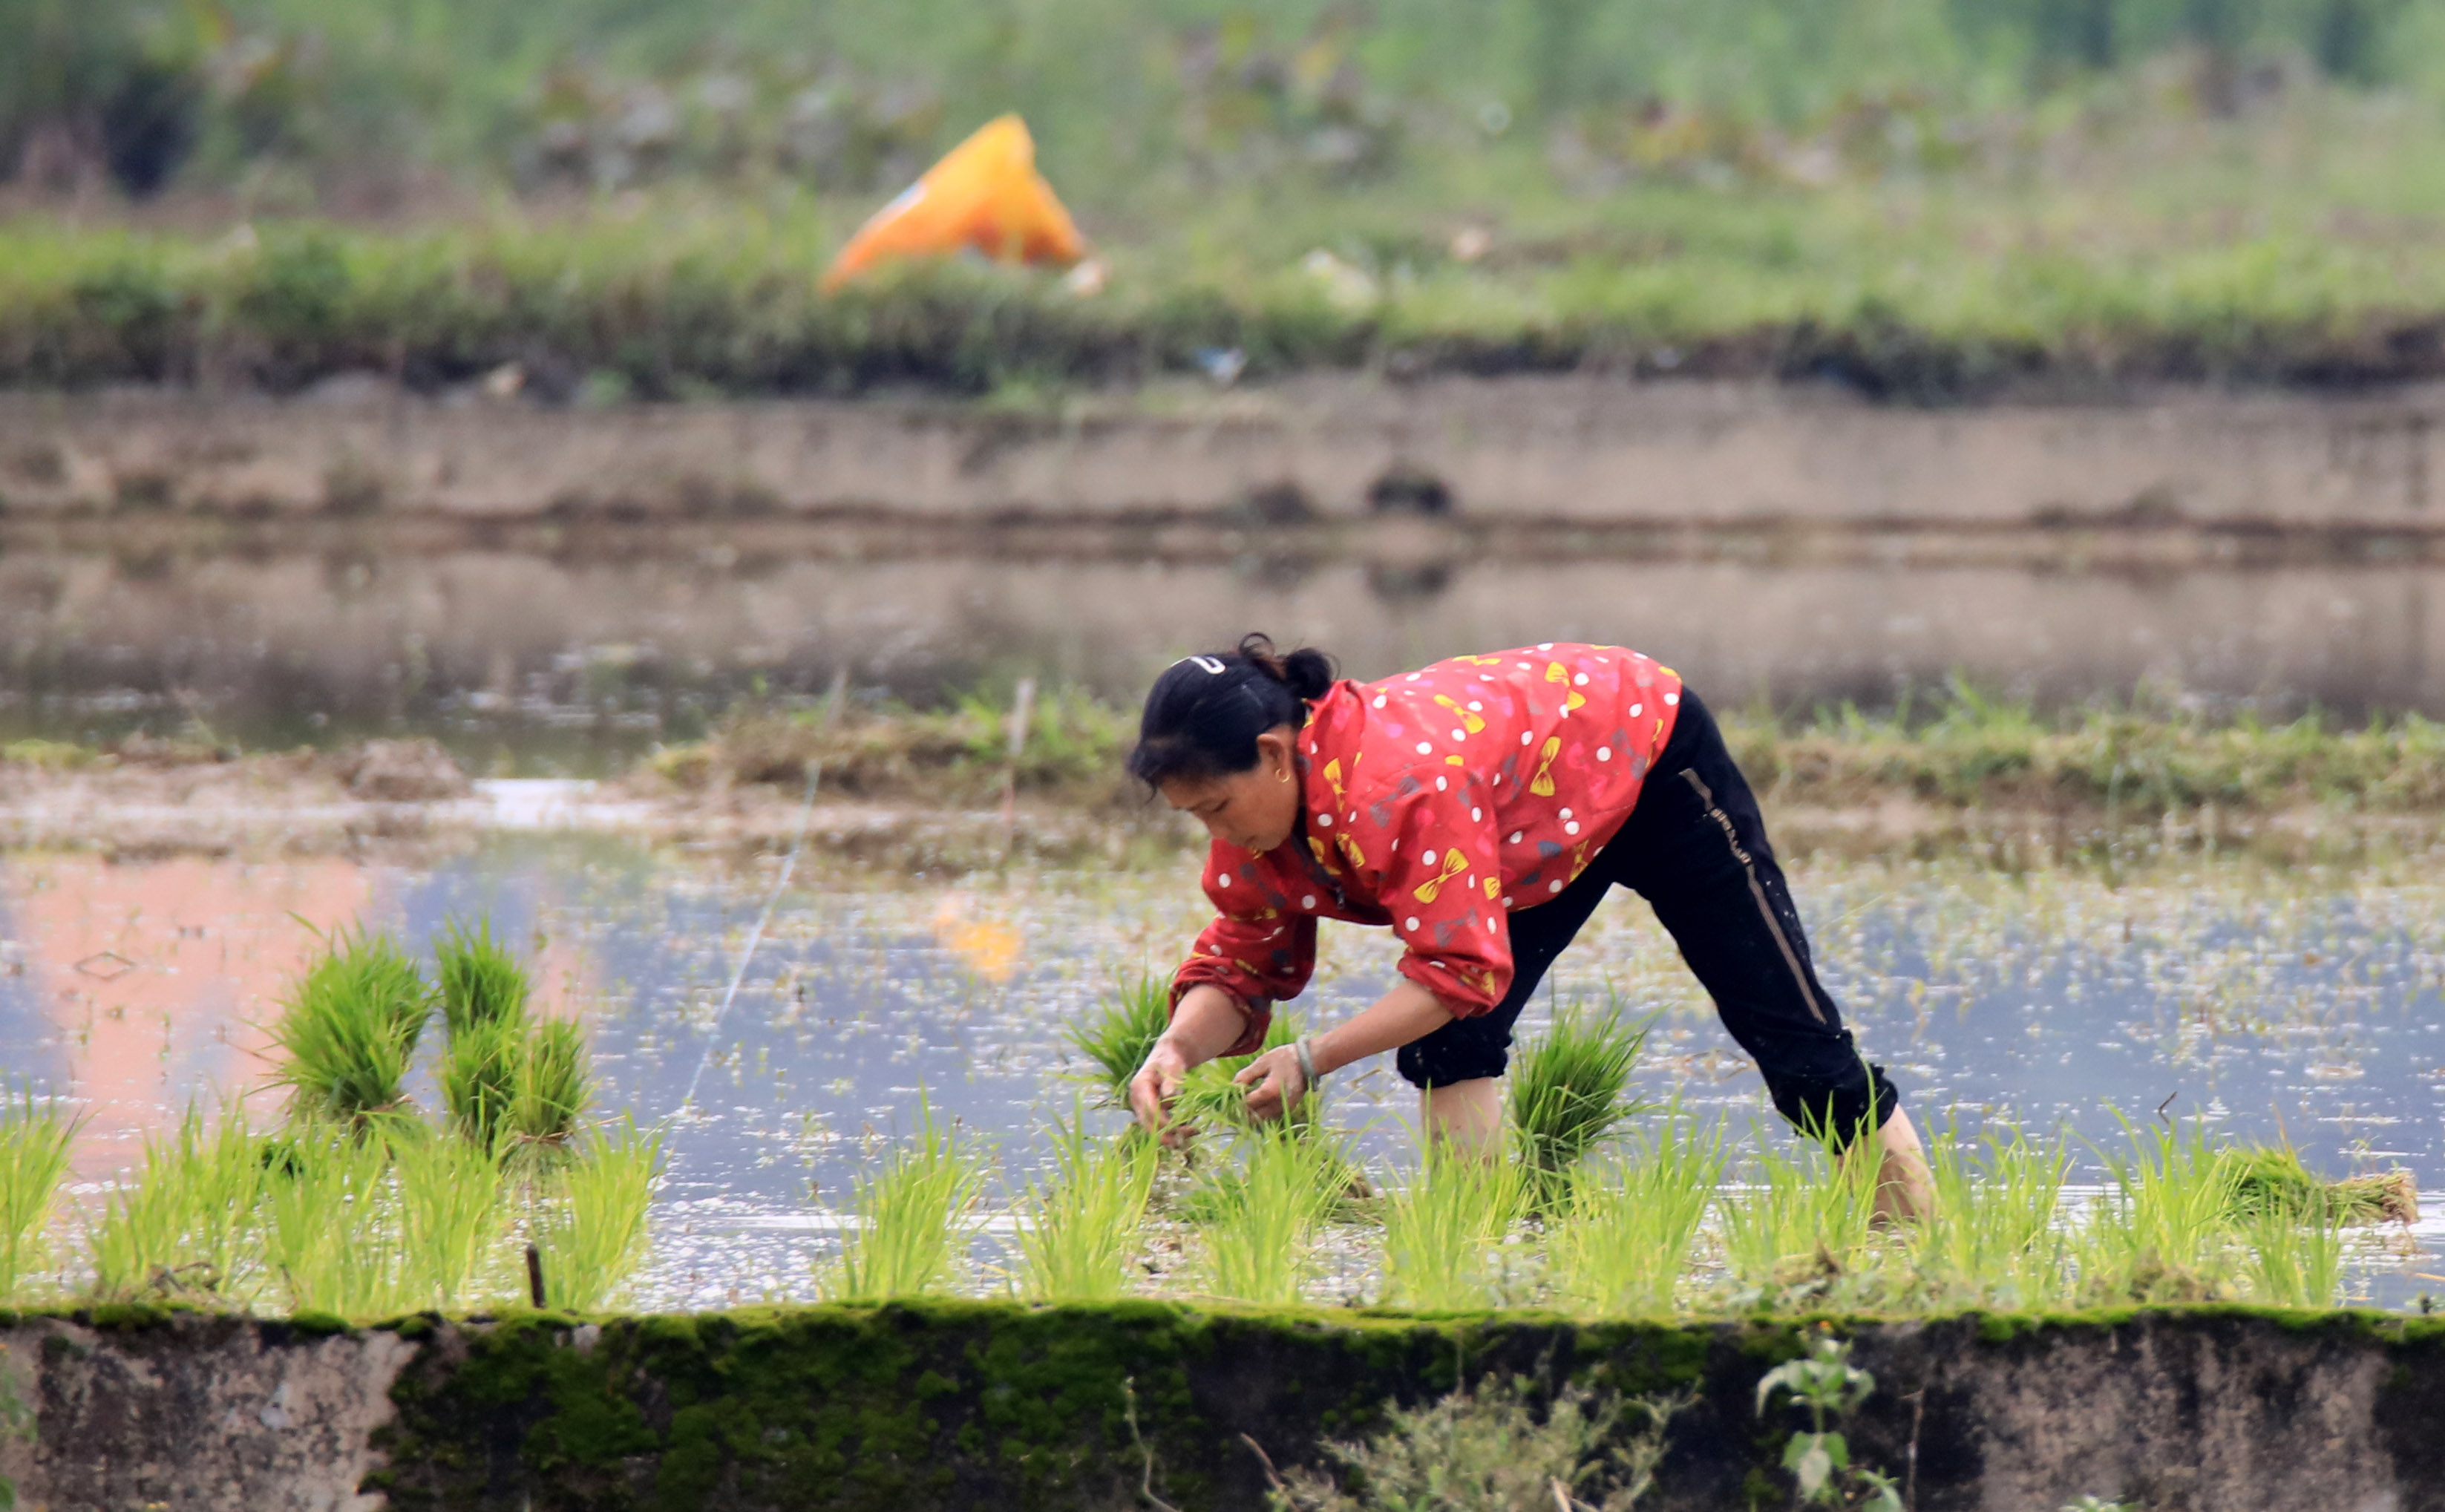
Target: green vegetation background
x=1924, y=198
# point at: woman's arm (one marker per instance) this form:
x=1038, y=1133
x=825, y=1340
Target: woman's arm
x=1407, y=1012
x=1207, y=1023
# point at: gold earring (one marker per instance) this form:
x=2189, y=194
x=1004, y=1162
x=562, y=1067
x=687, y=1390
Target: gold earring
x=1284, y=776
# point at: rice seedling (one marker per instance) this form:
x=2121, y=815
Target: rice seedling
x=910, y=1218
x=2272, y=1179
x=1995, y=1238
x=449, y=1217
x=189, y=1221
x=480, y=981
x=592, y=1228
x=1117, y=1037
x=554, y=1087
x=34, y=1139
x=2166, y=1231
x=1083, y=1223
x=348, y=1031
x=1623, y=1232
x=1493, y=1448
x=480, y=1075
x=1570, y=1091
x=1442, y=1232
x=1796, y=1220
x=329, y=1234
x=2296, y=1259
x=1261, y=1218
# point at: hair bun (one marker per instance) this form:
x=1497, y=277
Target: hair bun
x=1307, y=672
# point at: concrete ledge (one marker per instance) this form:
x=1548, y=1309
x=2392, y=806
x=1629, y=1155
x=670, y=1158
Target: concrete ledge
x=959, y=1405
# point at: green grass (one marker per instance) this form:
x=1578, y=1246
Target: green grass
x=326, y=1246
x=35, y=1138
x=451, y=1210
x=593, y=1227
x=911, y=1220
x=1570, y=1091
x=347, y=1032
x=1800, y=1217
x=189, y=1223
x=1997, y=1239
x=1083, y=1219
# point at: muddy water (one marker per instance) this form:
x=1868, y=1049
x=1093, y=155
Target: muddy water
x=2297, y=1004
x=541, y=663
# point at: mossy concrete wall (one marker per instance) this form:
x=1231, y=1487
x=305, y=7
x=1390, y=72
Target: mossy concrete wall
x=968, y=1405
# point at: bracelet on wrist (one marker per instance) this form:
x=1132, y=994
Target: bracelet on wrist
x=1308, y=1074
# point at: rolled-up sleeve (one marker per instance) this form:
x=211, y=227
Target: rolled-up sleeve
x=1260, y=955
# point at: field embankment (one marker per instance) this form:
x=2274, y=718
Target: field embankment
x=958, y=1405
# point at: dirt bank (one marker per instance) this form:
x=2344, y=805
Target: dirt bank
x=963, y=1405
x=1530, y=466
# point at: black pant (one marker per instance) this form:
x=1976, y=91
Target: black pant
x=1695, y=847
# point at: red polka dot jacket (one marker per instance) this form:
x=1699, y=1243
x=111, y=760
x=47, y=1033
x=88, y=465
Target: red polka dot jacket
x=1439, y=802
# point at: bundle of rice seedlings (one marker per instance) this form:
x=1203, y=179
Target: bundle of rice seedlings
x=480, y=1075
x=2273, y=1180
x=349, y=1029
x=911, y=1220
x=35, y=1136
x=480, y=980
x=1083, y=1222
x=1570, y=1091
x=1442, y=1233
x=189, y=1221
x=1117, y=1038
x=591, y=1231
x=554, y=1087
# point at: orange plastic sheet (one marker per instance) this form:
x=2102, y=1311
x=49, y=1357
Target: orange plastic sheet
x=984, y=194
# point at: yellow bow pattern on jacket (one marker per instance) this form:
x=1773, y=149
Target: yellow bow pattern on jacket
x=1543, y=783
x=1454, y=864
x=1470, y=721
x=1555, y=672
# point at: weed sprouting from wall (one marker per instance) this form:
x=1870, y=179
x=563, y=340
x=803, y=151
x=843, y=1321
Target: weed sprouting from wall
x=911, y=1216
x=1494, y=1448
x=36, y=1135
x=1083, y=1220
x=350, y=1030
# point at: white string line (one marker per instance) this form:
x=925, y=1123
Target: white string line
x=755, y=936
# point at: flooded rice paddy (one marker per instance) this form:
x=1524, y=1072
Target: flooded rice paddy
x=2302, y=1003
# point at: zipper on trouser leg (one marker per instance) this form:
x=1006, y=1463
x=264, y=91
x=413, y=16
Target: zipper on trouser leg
x=1757, y=890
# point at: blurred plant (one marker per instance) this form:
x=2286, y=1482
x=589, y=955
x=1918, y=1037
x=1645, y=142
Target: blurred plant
x=1444, y=1231
x=348, y=1030
x=591, y=1229
x=1260, y=1218
x=1824, y=1384
x=35, y=1138
x=1617, y=1242
x=1118, y=1034
x=481, y=979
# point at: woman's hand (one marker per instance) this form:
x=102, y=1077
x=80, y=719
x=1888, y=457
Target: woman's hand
x=1274, y=1082
x=1153, y=1087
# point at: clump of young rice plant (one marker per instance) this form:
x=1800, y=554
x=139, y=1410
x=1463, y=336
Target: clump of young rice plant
x=1083, y=1221
x=1442, y=1233
x=34, y=1140
x=348, y=1031
x=189, y=1221
x=449, y=1213
x=1995, y=1238
x=480, y=1075
x=592, y=1229
x=329, y=1234
x=1570, y=1091
x=1623, y=1231
x=1261, y=1220
x=1796, y=1220
x=1495, y=1447
x=480, y=980
x=912, y=1218
x=2165, y=1232
x=1117, y=1037
x=2295, y=1260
